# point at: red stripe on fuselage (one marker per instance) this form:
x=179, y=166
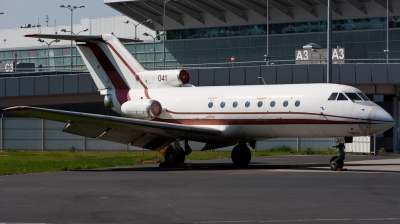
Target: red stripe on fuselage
x=255, y=121
x=146, y=93
x=271, y=113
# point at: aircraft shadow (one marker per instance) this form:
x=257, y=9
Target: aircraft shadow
x=252, y=166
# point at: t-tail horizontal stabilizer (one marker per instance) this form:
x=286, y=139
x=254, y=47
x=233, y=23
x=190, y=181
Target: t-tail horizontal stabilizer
x=78, y=38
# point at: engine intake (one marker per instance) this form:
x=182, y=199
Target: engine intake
x=142, y=109
x=183, y=77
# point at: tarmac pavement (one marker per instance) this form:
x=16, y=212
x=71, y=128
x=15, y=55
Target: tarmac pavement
x=279, y=189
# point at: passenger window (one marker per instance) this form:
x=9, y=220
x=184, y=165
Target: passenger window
x=341, y=97
x=210, y=104
x=363, y=96
x=285, y=103
x=247, y=104
x=297, y=103
x=222, y=104
x=353, y=96
x=272, y=104
x=234, y=105
x=332, y=96
x=260, y=103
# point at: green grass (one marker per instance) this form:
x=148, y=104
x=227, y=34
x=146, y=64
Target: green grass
x=31, y=161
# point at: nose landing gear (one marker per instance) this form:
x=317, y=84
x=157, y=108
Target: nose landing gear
x=337, y=162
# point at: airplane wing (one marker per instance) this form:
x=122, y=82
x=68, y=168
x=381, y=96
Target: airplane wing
x=151, y=135
x=78, y=38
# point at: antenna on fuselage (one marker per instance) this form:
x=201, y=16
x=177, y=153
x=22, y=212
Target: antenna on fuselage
x=262, y=80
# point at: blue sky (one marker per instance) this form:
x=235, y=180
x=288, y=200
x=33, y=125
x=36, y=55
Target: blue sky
x=20, y=12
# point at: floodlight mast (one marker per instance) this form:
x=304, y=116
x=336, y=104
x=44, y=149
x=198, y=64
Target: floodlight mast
x=48, y=48
x=72, y=8
x=136, y=25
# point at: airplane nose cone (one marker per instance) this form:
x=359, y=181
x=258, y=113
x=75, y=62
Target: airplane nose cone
x=380, y=120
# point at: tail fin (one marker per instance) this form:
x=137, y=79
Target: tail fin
x=110, y=64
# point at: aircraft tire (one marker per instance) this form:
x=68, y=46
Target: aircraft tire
x=171, y=156
x=339, y=163
x=181, y=158
x=241, y=155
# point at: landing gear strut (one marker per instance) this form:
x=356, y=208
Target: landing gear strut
x=241, y=155
x=175, y=155
x=337, y=162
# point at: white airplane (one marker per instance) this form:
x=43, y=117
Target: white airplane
x=160, y=108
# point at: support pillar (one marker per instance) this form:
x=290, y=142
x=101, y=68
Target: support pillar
x=396, y=128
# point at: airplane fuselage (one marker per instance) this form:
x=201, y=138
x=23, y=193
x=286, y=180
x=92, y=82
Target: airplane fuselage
x=270, y=111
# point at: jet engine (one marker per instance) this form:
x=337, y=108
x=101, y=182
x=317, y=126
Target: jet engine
x=142, y=109
x=170, y=78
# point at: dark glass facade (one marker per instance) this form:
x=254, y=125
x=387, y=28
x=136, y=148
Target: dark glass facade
x=212, y=47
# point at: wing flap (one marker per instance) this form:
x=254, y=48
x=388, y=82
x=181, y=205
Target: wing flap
x=87, y=130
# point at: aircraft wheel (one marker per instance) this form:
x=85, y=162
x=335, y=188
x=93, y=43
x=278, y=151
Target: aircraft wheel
x=181, y=158
x=172, y=157
x=241, y=155
x=339, y=163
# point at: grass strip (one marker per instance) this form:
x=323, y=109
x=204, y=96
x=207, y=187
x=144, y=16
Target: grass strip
x=32, y=161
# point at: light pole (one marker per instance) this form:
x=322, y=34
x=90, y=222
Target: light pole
x=387, y=32
x=72, y=8
x=136, y=25
x=154, y=46
x=76, y=52
x=329, y=43
x=165, y=2
x=267, y=29
x=48, y=48
x=64, y=30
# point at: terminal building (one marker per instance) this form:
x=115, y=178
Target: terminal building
x=219, y=42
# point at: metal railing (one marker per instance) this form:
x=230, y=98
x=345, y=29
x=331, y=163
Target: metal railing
x=41, y=72
x=269, y=63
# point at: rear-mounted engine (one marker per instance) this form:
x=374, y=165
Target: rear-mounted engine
x=183, y=77
x=142, y=109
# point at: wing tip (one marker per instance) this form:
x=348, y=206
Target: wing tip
x=17, y=108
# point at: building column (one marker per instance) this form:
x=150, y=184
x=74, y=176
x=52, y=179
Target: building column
x=396, y=116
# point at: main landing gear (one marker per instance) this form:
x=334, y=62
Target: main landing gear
x=241, y=155
x=337, y=162
x=175, y=154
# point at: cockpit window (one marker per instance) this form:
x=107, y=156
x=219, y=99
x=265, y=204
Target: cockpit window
x=341, y=97
x=353, y=96
x=332, y=96
x=363, y=96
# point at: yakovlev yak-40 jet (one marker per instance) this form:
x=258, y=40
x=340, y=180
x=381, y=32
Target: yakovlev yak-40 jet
x=160, y=108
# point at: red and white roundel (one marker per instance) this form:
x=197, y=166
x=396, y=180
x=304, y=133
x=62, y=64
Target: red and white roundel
x=184, y=76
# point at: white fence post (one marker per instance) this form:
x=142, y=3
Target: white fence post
x=84, y=143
